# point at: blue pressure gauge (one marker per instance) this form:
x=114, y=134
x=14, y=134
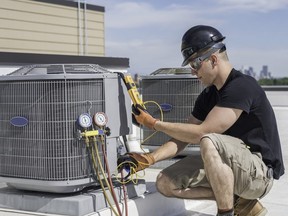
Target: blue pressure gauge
x=85, y=120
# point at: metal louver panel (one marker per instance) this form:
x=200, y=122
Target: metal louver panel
x=177, y=92
x=46, y=149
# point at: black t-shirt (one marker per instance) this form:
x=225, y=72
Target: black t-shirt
x=256, y=126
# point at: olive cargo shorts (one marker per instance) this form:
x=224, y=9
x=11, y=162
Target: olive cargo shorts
x=251, y=175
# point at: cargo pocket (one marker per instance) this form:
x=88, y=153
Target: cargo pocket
x=258, y=183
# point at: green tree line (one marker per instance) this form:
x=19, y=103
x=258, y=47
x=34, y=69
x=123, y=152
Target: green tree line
x=274, y=81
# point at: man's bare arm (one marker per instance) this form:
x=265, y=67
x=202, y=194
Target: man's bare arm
x=172, y=147
x=218, y=121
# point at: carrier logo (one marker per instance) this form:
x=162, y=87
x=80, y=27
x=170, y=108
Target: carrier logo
x=19, y=121
x=166, y=107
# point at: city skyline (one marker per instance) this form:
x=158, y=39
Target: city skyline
x=264, y=73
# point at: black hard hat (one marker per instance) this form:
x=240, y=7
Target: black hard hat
x=197, y=39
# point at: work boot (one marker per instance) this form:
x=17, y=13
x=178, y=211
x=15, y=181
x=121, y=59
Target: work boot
x=245, y=207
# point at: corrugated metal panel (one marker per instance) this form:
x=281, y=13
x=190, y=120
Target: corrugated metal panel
x=47, y=47
x=34, y=6
x=38, y=27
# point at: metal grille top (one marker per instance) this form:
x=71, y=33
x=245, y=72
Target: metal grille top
x=60, y=69
x=171, y=71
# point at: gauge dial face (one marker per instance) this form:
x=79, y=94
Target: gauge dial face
x=85, y=120
x=100, y=119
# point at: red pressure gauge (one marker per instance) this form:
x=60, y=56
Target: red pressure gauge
x=100, y=119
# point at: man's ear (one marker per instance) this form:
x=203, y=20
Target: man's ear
x=213, y=60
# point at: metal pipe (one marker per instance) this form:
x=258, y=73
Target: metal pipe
x=80, y=28
x=85, y=30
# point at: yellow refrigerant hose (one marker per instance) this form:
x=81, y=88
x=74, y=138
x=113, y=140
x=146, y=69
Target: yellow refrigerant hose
x=98, y=174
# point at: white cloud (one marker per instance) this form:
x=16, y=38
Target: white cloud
x=142, y=14
x=130, y=15
x=255, y=5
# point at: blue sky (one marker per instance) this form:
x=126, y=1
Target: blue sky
x=149, y=32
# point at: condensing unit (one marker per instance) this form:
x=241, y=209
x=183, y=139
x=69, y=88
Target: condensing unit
x=40, y=105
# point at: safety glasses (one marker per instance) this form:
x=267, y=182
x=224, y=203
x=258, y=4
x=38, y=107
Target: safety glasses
x=196, y=63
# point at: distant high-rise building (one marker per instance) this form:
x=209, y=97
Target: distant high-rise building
x=264, y=73
x=248, y=71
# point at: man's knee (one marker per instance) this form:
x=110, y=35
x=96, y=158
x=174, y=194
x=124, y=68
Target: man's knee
x=207, y=148
x=164, y=185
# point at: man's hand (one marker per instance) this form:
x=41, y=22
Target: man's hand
x=136, y=161
x=144, y=118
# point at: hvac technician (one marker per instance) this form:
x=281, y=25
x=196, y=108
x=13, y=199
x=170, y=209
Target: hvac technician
x=234, y=124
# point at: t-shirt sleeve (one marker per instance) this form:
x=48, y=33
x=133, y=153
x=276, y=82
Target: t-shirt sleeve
x=238, y=95
x=204, y=103
x=198, y=110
